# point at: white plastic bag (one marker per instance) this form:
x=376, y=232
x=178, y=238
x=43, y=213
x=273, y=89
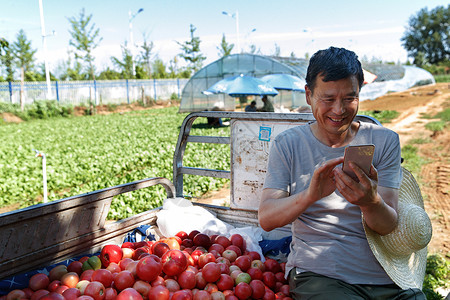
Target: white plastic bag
x=252, y=235
x=179, y=214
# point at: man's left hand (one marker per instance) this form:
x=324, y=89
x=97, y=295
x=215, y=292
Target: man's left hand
x=362, y=193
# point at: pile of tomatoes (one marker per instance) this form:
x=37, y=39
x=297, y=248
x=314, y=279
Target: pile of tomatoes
x=185, y=266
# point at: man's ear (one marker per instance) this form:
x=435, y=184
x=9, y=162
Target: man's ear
x=308, y=94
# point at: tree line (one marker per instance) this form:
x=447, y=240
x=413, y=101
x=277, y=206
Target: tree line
x=426, y=39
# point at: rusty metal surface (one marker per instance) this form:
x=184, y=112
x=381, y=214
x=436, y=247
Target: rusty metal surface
x=47, y=233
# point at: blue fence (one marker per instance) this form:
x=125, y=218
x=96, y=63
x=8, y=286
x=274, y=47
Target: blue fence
x=92, y=91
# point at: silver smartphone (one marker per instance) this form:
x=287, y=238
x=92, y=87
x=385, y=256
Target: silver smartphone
x=361, y=155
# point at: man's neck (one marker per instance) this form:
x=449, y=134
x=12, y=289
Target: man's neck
x=335, y=140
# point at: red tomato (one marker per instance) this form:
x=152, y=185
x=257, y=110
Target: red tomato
x=235, y=249
x=38, y=282
x=159, y=292
x=205, y=258
x=269, y=279
x=54, y=285
x=174, y=262
x=104, y=276
x=129, y=294
x=173, y=243
x=202, y=295
x=193, y=233
x=237, y=240
x=71, y=293
x=211, y=287
x=182, y=235
x=230, y=254
x=272, y=265
x=218, y=247
x=187, y=280
x=57, y=272
x=182, y=295
x=172, y=285
x=211, y=272
x=243, y=262
x=110, y=293
x=258, y=289
x=243, y=291
x=201, y=282
x=201, y=239
x=149, y=267
x=123, y=280
x=52, y=296
x=75, y=266
x=86, y=275
x=255, y=273
x=109, y=254
x=16, y=295
x=85, y=297
x=225, y=282
x=142, y=287
x=38, y=294
x=70, y=279
x=160, y=248
x=96, y=290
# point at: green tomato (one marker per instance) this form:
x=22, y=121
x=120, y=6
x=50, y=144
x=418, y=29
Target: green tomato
x=93, y=263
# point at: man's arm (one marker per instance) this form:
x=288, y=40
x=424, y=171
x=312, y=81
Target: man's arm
x=277, y=208
x=378, y=204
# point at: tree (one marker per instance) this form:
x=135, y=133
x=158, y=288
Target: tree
x=254, y=50
x=159, y=69
x=225, y=48
x=125, y=65
x=191, y=51
x=427, y=36
x=85, y=38
x=23, y=55
x=7, y=59
x=146, y=56
x=277, y=51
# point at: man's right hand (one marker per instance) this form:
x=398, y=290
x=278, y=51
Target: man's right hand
x=277, y=208
x=322, y=182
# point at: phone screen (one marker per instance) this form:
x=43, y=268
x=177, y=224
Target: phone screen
x=361, y=155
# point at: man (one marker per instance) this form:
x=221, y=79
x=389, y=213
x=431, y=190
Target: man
x=251, y=107
x=330, y=257
x=268, y=107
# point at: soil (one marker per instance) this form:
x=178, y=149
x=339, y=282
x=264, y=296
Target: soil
x=412, y=105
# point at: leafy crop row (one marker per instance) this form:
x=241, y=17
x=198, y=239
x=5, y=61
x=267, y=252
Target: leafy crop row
x=90, y=153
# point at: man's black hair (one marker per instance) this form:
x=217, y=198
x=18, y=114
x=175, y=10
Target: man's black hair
x=333, y=64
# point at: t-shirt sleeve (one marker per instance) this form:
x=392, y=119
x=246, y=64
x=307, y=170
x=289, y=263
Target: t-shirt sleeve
x=278, y=170
x=389, y=167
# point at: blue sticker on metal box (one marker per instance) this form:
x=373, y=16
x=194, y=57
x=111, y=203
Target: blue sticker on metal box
x=264, y=133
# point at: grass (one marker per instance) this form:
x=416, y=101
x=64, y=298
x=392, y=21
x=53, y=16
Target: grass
x=384, y=116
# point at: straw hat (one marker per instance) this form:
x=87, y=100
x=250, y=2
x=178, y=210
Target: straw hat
x=403, y=253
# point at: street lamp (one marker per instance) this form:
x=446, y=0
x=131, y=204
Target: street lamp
x=44, y=46
x=236, y=17
x=131, y=47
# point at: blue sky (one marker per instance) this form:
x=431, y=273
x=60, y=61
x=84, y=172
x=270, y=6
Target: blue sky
x=370, y=28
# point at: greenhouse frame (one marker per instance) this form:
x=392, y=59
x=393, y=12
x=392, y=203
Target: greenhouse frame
x=390, y=78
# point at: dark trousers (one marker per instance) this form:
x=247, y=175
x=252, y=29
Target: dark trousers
x=309, y=285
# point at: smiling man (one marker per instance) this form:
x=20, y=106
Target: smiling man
x=305, y=186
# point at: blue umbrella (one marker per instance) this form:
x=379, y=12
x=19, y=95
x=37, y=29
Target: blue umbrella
x=241, y=86
x=285, y=82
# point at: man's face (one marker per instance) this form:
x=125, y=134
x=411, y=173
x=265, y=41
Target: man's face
x=334, y=104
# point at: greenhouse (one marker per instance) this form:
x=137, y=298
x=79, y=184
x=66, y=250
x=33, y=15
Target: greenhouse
x=389, y=78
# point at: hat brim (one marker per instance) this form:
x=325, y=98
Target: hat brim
x=407, y=271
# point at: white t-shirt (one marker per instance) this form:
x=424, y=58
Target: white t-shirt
x=328, y=238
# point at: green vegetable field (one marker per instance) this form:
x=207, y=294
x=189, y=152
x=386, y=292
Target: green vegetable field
x=94, y=152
